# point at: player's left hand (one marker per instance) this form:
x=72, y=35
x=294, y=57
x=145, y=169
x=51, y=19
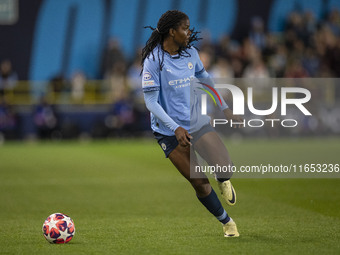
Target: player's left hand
x=230, y=116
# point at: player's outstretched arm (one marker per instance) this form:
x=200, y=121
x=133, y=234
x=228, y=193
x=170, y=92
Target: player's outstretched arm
x=228, y=113
x=205, y=78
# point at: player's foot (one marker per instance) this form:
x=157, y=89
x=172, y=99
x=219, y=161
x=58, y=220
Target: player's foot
x=227, y=191
x=230, y=229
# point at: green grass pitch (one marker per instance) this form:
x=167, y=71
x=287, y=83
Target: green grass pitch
x=126, y=198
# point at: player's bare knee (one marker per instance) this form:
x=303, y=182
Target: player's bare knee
x=201, y=186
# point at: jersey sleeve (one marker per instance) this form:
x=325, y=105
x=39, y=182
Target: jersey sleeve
x=151, y=102
x=151, y=71
x=199, y=68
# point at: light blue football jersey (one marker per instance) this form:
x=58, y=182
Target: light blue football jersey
x=177, y=96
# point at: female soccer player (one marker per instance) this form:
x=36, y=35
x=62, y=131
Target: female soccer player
x=169, y=64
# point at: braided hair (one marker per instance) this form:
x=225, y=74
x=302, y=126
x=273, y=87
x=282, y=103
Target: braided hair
x=170, y=19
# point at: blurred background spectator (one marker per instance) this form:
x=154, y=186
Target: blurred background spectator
x=78, y=81
x=114, y=58
x=9, y=122
x=121, y=118
x=8, y=77
x=45, y=119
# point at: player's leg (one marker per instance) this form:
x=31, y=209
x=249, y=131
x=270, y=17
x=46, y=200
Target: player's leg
x=211, y=148
x=180, y=157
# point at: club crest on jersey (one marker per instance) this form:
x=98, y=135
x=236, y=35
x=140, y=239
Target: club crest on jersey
x=190, y=65
x=147, y=76
x=163, y=146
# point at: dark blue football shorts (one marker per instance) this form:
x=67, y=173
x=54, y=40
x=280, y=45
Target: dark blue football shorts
x=169, y=143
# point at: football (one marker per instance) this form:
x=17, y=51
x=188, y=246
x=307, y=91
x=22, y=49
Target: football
x=58, y=228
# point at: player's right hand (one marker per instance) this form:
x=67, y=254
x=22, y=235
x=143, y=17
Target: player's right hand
x=230, y=116
x=183, y=136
